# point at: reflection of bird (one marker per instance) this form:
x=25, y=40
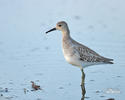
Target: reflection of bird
x=110, y=99
x=35, y=87
x=76, y=53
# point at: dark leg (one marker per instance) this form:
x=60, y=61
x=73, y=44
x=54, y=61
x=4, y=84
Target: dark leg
x=83, y=84
x=83, y=77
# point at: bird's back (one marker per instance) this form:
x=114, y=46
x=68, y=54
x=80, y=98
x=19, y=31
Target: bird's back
x=92, y=56
x=78, y=54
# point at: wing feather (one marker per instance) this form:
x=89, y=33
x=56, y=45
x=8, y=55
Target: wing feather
x=89, y=55
x=86, y=54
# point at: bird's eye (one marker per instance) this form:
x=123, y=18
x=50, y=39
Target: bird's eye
x=60, y=25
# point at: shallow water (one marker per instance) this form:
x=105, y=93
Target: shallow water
x=28, y=54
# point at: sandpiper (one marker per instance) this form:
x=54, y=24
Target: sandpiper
x=76, y=53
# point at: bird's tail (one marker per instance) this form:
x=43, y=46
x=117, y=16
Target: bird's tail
x=108, y=61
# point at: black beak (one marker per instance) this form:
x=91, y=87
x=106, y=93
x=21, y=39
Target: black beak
x=53, y=29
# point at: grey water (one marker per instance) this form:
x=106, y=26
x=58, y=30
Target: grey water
x=28, y=54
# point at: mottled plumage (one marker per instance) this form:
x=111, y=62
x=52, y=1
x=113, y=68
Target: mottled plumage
x=76, y=53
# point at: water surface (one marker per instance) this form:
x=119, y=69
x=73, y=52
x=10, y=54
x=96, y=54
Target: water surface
x=28, y=54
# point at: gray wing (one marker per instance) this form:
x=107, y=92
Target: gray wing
x=86, y=54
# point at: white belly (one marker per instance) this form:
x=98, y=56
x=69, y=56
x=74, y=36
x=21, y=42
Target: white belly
x=73, y=60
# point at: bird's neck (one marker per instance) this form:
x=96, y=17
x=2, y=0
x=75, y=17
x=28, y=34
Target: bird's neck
x=66, y=34
x=66, y=39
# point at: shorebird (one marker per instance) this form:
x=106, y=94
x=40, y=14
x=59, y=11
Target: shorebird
x=76, y=53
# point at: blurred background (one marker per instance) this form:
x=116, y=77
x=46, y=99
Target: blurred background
x=28, y=54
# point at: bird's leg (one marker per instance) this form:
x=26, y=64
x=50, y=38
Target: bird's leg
x=83, y=77
x=83, y=84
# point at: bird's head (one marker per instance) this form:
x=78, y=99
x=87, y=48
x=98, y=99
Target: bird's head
x=61, y=26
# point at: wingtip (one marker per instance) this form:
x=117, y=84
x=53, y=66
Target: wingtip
x=111, y=59
x=111, y=62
